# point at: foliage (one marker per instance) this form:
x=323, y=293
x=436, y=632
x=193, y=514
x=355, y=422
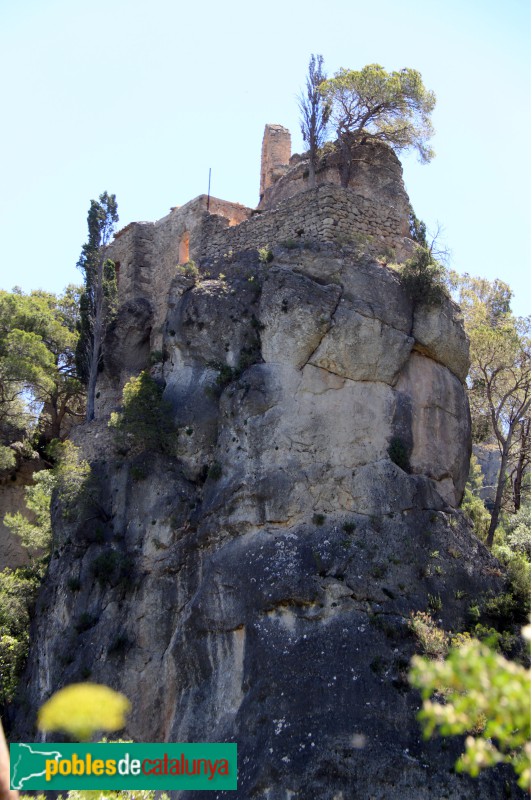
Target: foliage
x=75, y=484
x=472, y=505
x=418, y=229
x=483, y=695
x=372, y=104
x=38, y=381
x=7, y=458
x=498, y=382
x=398, y=452
x=265, y=255
x=146, y=420
x=517, y=597
x=315, y=112
x=81, y=709
x=18, y=589
x=112, y=567
x=99, y=298
x=189, y=270
x=431, y=638
x=423, y=279
x=36, y=537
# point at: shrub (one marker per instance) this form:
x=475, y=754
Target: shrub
x=318, y=519
x=349, y=527
x=422, y=279
x=156, y=357
x=7, y=458
x=432, y=639
x=18, y=590
x=146, y=420
x=435, y=603
x=189, y=270
x=112, y=567
x=265, y=255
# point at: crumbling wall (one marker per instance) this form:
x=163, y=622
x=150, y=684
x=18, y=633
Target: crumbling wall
x=327, y=214
x=148, y=252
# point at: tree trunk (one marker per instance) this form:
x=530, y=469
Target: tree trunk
x=522, y=461
x=96, y=349
x=495, y=514
x=311, y=172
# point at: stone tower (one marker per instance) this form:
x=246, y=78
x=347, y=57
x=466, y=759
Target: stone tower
x=276, y=151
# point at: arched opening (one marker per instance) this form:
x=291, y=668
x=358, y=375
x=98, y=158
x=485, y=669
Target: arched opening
x=184, y=247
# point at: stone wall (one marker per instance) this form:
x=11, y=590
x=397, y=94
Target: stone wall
x=325, y=214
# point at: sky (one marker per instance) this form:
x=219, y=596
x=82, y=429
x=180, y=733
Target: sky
x=141, y=99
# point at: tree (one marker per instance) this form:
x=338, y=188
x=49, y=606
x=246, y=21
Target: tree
x=500, y=389
x=38, y=381
x=499, y=379
x=98, y=300
x=372, y=104
x=486, y=697
x=315, y=113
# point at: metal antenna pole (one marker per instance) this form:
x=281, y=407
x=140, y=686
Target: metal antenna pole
x=209, y=191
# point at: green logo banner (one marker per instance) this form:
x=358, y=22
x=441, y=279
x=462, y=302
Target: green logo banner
x=128, y=766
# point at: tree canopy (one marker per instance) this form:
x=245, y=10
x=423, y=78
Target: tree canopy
x=38, y=381
x=315, y=112
x=98, y=300
x=392, y=107
x=499, y=379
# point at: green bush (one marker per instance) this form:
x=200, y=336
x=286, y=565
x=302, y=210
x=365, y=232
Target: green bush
x=189, y=270
x=112, y=567
x=423, y=279
x=433, y=641
x=265, y=255
x=146, y=420
x=7, y=458
x=18, y=591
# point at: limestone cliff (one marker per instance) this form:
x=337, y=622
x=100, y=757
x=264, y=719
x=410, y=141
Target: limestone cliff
x=257, y=585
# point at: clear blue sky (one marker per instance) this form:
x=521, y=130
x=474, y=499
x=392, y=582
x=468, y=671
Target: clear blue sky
x=140, y=99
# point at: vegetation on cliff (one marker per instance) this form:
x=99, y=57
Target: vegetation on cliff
x=98, y=300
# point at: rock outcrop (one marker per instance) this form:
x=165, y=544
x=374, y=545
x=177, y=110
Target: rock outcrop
x=259, y=584
x=256, y=583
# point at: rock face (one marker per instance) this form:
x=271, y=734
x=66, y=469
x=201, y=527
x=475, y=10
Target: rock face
x=256, y=584
x=259, y=584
